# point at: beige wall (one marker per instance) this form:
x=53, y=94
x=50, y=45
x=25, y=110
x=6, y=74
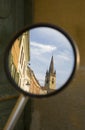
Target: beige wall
x=69, y=14
x=65, y=111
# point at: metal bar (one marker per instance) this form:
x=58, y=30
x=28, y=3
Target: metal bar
x=13, y=118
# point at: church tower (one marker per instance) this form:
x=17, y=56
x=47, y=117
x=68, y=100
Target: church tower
x=50, y=78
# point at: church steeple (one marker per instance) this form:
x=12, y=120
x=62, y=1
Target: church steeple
x=51, y=68
x=50, y=78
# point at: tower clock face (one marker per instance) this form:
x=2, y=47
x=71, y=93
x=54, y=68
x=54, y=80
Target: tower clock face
x=41, y=60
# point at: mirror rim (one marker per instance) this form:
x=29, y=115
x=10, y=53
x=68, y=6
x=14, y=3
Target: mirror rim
x=72, y=43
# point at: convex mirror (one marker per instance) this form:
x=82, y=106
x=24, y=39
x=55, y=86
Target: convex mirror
x=41, y=60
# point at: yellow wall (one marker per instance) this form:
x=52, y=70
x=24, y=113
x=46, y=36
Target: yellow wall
x=69, y=14
x=66, y=110
x=15, y=52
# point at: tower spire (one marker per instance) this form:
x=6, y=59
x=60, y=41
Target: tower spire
x=50, y=78
x=51, y=68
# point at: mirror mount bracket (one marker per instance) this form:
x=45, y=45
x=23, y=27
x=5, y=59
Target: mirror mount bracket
x=16, y=112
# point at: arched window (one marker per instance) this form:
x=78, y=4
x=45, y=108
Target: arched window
x=52, y=81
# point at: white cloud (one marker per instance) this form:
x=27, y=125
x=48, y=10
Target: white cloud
x=64, y=57
x=39, y=48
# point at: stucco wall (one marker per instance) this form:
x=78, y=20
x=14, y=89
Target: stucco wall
x=65, y=111
x=14, y=15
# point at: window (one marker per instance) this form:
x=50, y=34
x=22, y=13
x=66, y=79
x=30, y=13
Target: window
x=47, y=81
x=24, y=68
x=20, y=82
x=13, y=70
x=22, y=57
x=52, y=81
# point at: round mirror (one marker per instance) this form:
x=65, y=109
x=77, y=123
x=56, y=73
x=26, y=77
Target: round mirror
x=41, y=60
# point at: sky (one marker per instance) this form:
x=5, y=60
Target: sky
x=45, y=42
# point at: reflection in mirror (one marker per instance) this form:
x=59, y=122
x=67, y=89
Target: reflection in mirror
x=41, y=60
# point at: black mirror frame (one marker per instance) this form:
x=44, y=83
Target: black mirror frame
x=76, y=58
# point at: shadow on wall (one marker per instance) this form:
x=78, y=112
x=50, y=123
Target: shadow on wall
x=13, y=17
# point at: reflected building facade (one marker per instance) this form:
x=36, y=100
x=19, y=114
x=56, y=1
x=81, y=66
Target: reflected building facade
x=19, y=60
x=24, y=58
x=13, y=60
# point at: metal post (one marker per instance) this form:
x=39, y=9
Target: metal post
x=13, y=118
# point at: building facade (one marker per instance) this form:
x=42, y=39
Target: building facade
x=34, y=86
x=13, y=60
x=24, y=58
x=19, y=60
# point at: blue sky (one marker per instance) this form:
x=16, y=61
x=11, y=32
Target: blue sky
x=45, y=42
